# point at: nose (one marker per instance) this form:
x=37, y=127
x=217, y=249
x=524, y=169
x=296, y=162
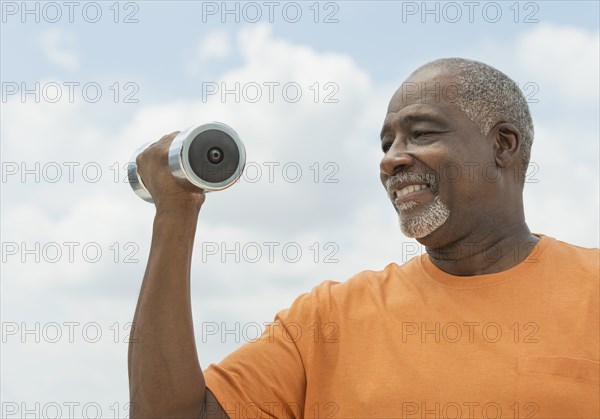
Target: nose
x=395, y=159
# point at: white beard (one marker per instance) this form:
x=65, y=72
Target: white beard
x=426, y=222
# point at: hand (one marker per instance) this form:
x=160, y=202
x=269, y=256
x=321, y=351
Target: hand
x=166, y=191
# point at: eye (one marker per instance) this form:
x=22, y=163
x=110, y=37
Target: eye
x=423, y=136
x=418, y=134
x=385, y=146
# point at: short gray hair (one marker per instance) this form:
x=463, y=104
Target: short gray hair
x=488, y=96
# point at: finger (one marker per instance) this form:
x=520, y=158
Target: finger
x=168, y=138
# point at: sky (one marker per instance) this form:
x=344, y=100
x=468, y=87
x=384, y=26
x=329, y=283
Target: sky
x=306, y=85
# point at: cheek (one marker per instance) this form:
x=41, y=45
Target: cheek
x=470, y=169
x=481, y=176
x=442, y=161
x=459, y=182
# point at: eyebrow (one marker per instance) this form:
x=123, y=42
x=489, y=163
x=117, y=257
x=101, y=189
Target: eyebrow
x=412, y=118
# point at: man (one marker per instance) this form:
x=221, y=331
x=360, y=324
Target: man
x=493, y=321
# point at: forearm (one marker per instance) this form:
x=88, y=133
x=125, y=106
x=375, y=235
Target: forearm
x=164, y=372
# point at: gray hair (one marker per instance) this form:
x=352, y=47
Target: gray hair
x=488, y=96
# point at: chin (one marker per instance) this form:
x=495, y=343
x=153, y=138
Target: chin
x=426, y=226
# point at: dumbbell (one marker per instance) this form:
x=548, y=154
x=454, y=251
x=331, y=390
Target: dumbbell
x=208, y=156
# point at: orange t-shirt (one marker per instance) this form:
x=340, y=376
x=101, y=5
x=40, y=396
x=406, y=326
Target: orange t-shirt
x=413, y=341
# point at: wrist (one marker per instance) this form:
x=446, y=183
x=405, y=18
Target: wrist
x=180, y=207
x=178, y=211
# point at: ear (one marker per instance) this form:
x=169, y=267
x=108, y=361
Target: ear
x=507, y=143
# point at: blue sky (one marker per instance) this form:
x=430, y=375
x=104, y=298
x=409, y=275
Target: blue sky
x=151, y=74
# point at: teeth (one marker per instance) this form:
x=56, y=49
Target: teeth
x=410, y=188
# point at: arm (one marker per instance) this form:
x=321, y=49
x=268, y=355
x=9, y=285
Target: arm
x=165, y=377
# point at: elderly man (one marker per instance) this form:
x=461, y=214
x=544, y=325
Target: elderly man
x=493, y=321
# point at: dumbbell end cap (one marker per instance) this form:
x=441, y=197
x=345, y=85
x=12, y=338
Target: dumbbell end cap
x=182, y=168
x=135, y=180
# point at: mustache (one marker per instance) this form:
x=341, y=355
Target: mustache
x=394, y=181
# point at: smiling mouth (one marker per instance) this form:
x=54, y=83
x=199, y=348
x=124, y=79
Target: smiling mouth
x=410, y=196
x=409, y=189
x=406, y=188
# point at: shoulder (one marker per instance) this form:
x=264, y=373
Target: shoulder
x=364, y=287
x=574, y=256
x=360, y=281
x=575, y=267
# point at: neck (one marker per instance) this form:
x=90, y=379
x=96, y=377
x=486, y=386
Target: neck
x=485, y=252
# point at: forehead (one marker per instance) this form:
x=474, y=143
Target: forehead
x=432, y=86
x=428, y=95
x=417, y=112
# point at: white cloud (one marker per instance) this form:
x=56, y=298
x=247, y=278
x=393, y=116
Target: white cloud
x=214, y=45
x=58, y=45
x=564, y=58
x=561, y=197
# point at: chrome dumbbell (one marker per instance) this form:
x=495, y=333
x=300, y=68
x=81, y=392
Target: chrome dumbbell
x=208, y=156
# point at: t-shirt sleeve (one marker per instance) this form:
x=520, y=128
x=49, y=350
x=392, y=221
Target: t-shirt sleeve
x=266, y=378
